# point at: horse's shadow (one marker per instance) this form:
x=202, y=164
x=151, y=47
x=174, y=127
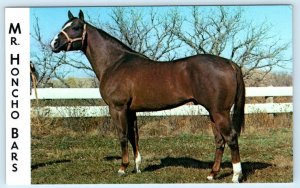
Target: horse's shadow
x=187, y=162
x=38, y=165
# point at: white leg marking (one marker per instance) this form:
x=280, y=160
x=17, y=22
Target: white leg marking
x=138, y=161
x=210, y=178
x=121, y=172
x=237, y=172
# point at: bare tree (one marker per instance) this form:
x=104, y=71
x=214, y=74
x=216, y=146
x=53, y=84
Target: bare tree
x=53, y=66
x=225, y=33
x=46, y=62
x=149, y=34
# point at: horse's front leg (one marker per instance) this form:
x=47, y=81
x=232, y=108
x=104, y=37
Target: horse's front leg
x=120, y=120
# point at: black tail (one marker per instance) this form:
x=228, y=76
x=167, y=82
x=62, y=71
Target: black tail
x=238, y=118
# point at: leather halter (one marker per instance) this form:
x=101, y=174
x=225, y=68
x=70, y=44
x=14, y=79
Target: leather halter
x=70, y=40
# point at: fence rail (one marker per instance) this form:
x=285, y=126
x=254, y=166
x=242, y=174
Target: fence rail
x=95, y=111
x=93, y=93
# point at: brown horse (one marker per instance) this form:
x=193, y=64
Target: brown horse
x=130, y=83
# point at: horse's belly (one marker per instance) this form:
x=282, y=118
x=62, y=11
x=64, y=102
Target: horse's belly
x=158, y=99
x=160, y=89
x=154, y=106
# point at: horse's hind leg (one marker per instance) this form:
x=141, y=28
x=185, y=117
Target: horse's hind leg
x=220, y=145
x=232, y=142
x=133, y=137
x=223, y=123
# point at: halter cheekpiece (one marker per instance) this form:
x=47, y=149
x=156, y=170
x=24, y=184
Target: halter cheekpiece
x=70, y=40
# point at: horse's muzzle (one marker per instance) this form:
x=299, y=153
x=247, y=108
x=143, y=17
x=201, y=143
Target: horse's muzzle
x=56, y=46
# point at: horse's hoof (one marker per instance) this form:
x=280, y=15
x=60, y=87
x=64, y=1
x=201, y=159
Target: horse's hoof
x=210, y=177
x=237, y=177
x=121, y=173
x=136, y=171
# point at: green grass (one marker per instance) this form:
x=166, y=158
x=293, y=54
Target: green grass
x=87, y=157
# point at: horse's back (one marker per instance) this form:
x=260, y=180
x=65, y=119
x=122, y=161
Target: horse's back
x=149, y=85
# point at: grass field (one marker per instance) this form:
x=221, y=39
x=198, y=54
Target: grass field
x=174, y=150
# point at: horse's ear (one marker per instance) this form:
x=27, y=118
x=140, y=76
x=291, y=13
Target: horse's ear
x=81, y=16
x=70, y=15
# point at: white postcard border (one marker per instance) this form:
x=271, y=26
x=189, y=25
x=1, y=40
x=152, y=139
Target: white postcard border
x=17, y=58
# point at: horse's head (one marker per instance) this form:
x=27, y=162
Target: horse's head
x=71, y=36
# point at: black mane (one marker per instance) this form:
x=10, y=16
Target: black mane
x=118, y=42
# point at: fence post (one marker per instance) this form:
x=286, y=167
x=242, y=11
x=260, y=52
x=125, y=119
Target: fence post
x=270, y=99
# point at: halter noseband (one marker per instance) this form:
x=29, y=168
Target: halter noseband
x=70, y=40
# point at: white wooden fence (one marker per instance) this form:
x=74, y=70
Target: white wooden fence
x=94, y=111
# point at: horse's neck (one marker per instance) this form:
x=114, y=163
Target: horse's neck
x=101, y=52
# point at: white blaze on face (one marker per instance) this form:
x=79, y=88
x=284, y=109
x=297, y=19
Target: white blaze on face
x=53, y=41
x=56, y=36
x=67, y=25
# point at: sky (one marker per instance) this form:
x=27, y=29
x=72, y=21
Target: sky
x=52, y=19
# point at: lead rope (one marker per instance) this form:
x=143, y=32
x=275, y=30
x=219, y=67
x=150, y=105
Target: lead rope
x=34, y=81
